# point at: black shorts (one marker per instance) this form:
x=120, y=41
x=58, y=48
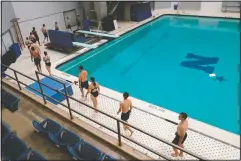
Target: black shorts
x=95, y=94
x=125, y=116
x=37, y=61
x=177, y=137
x=84, y=85
x=68, y=27
x=48, y=64
x=45, y=35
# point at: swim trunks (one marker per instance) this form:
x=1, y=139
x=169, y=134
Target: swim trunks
x=84, y=85
x=125, y=116
x=177, y=137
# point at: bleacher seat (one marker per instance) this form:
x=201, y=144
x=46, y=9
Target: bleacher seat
x=5, y=131
x=107, y=157
x=31, y=155
x=13, y=147
x=10, y=101
x=64, y=139
x=47, y=126
x=85, y=151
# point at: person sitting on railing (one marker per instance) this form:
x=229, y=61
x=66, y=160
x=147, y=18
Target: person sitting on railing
x=94, y=90
x=125, y=108
x=181, y=134
x=37, y=58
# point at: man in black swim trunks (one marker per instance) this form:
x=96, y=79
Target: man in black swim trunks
x=68, y=23
x=83, y=80
x=125, y=108
x=181, y=134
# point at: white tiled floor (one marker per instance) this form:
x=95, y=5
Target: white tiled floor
x=196, y=143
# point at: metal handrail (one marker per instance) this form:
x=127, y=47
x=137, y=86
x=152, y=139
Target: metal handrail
x=116, y=119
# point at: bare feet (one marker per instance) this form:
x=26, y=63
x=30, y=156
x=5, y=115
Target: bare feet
x=174, y=154
x=181, y=155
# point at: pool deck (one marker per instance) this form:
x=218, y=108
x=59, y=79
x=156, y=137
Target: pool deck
x=209, y=143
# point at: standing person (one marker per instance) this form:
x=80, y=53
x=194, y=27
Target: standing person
x=28, y=43
x=68, y=23
x=44, y=31
x=83, y=80
x=94, y=90
x=56, y=26
x=46, y=59
x=32, y=37
x=78, y=22
x=181, y=134
x=36, y=35
x=125, y=108
x=37, y=58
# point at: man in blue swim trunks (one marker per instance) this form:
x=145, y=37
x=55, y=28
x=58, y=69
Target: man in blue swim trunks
x=83, y=80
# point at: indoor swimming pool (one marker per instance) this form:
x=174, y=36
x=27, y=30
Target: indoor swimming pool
x=181, y=63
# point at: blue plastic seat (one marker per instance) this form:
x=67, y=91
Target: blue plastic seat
x=5, y=131
x=64, y=138
x=13, y=147
x=47, y=126
x=85, y=151
x=31, y=155
x=107, y=157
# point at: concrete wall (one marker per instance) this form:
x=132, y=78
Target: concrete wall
x=34, y=14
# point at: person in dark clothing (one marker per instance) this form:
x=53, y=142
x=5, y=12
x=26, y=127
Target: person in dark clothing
x=56, y=26
x=94, y=90
x=36, y=35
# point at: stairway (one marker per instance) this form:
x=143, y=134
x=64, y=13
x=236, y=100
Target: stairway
x=231, y=7
x=112, y=6
x=18, y=34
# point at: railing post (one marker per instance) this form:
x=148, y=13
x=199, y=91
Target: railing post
x=67, y=99
x=17, y=80
x=40, y=87
x=118, y=130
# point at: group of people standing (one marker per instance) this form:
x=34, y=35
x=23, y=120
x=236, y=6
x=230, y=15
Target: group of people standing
x=34, y=49
x=126, y=107
x=93, y=88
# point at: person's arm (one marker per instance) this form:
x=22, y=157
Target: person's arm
x=181, y=136
x=119, y=109
x=130, y=105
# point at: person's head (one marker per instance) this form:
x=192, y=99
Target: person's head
x=81, y=67
x=56, y=23
x=182, y=116
x=43, y=25
x=67, y=18
x=26, y=38
x=92, y=79
x=125, y=95
x=33, y=28
x=77, y=15
x=45, y=53
x=32, y=48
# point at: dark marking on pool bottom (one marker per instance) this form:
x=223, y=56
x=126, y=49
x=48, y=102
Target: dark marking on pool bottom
x=200, y=62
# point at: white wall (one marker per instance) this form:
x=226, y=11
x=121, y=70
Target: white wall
x=35, y=14
x=7, y=15
x=211, y=7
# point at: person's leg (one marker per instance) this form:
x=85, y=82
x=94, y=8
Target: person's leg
x=40, y=66
x=181, y=152
x=175, y=141
x=82, y=91
x=48, y=69
x=128, y=128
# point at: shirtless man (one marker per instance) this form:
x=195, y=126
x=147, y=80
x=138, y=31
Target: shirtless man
x=181, y=134
x=45, y=33
x=83, y=80
x=125, y=108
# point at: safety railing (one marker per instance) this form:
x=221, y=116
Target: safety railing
x=118, y=121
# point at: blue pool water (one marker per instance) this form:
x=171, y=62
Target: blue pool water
x=167, y=62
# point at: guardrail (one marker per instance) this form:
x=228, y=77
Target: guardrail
x=118, y=121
